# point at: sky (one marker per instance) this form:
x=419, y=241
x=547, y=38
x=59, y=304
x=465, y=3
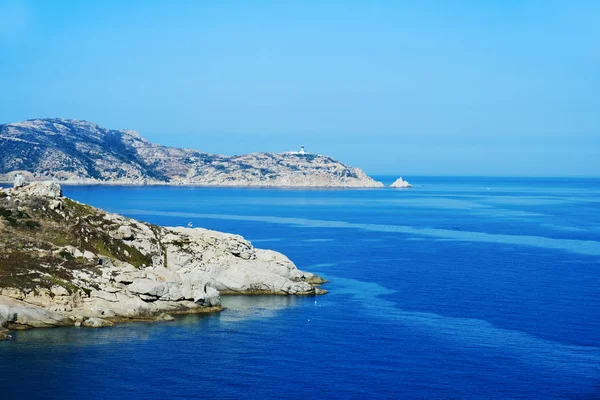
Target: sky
x=398, y=87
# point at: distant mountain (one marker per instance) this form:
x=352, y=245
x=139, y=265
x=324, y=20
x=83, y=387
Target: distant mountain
x=82, y=152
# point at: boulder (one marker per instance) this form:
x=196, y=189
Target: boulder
x=27, y=315
x=94, y=322
x=164, y=317
x=125, y=232
x=209, y=297
x=55, y=205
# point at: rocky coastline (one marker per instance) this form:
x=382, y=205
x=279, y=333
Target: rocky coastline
x=80, y=152
x=63, y=263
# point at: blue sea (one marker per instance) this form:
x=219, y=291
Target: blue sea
x=460, y=288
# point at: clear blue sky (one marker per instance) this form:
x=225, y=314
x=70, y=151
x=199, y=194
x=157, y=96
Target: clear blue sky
x=401, y=87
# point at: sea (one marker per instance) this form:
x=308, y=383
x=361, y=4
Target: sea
x=459, y=288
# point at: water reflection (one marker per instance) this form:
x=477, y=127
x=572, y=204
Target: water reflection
x=239, y=308
x=244, y=307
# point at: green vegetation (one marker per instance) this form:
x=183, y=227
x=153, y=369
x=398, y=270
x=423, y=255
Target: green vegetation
x=109, y=247
x=66, y=255
x=77, y=209
x=28, y=270
x=18, y=219
x=33, y=236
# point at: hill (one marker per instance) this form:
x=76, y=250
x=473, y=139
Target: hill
x=82, y=152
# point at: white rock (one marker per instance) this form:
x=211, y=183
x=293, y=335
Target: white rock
x=125, y=232
x=401, y=184
x=96, y=323
x=208, y=296
x=55, y=205
x=29, y=315
x=112, y=297
x=45, y=189
x=58, y=290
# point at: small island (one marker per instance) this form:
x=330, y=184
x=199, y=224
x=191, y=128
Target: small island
x=401, y=184
x=66, y=263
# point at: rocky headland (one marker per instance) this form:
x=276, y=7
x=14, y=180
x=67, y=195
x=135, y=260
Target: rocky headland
x=67, y=263
x=80, y=152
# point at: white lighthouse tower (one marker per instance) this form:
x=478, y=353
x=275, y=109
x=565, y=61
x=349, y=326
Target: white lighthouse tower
x=18, y=181
x=302, y=151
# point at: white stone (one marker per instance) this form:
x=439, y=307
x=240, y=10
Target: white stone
x=96, y=323
x=125, y=232
x=55, y=205
x=401, y=184
x=45, y=189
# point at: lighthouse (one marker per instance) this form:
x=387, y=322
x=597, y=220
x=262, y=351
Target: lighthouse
x=302, y=151
x=18, y=181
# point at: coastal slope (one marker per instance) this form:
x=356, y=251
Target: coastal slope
x=67, y=263
x=76, y=151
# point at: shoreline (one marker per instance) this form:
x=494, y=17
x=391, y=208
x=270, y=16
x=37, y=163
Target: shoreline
x=111, y=321
x=200, y=185
x=65, y=263
x=167, y=316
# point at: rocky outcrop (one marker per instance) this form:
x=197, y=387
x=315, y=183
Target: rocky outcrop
x=45, y=189
x=401, y=184
x=81, y=152
x=66, y=263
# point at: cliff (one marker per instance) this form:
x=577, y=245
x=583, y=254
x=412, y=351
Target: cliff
x=67, y=263
x=82, y=152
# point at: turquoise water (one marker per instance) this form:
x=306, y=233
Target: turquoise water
x=459, y=288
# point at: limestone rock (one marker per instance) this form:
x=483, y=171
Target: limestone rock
x=44, y=189
x=18, y=313
x=401, y=184
x=209, y=297
x=55, y=205
x=125, y=232
x=156, y=270
x=164, y=317
x=96, y=323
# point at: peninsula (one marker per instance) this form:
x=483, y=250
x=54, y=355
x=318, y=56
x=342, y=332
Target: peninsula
x=74, y=151
x=67, y=263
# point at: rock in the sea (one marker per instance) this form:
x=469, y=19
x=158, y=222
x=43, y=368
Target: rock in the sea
x=96, y=323
x=164, y=317
x=401, y=184
x=19, y=314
